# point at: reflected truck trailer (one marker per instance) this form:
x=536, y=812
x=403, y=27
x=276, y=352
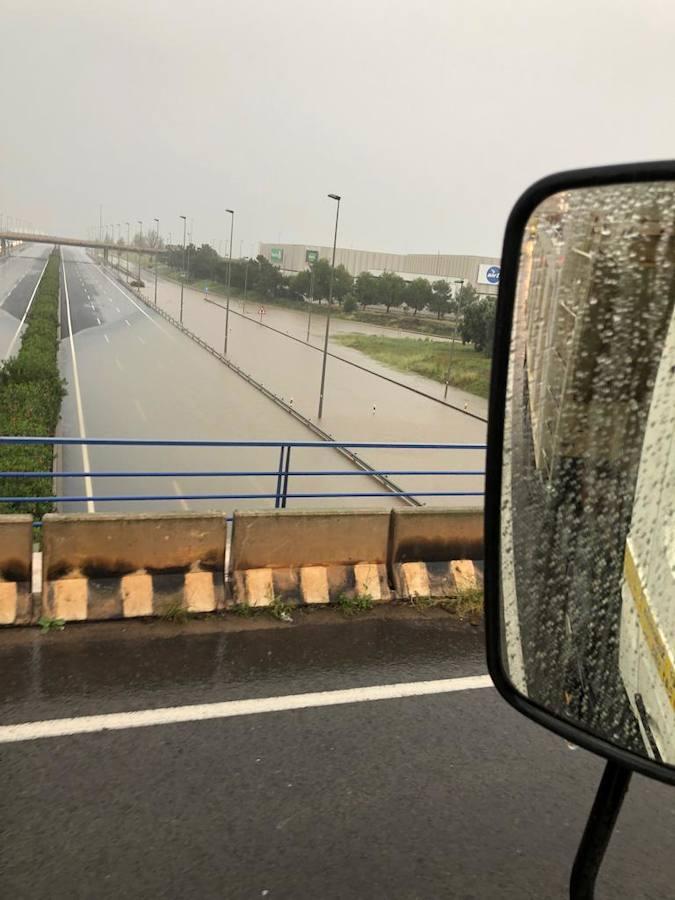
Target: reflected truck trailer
x=647, y=640
x=594, y=299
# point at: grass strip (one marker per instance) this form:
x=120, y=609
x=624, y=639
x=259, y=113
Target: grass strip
x=469, y=370
x=31, y=391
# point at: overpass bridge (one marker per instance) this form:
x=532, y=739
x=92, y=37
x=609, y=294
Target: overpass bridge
x=105, y=246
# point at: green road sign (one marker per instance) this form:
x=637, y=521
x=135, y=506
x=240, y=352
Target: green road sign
x=276, y=254
x=311, y=256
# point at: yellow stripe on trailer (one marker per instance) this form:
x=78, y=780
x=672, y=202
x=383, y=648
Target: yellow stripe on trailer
x=655, y=642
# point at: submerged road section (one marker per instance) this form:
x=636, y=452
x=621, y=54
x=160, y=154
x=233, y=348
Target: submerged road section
x=358, y=404
x=130, y=374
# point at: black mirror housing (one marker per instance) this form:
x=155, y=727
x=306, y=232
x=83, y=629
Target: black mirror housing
x=599, y=258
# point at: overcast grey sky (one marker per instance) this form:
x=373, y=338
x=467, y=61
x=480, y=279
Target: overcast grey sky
x=428, y=116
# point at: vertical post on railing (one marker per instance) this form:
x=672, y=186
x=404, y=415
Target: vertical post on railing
x=287, y=467
x=280, y=473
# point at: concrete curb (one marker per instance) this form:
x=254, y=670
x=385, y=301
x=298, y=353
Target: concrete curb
x=16, y=558
x=112, y=566
x=116, y=566
x=309, y=557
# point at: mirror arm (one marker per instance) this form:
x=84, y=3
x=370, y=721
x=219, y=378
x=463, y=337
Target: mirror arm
x=604, y=813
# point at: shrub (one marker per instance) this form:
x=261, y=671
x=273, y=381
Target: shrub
x=31, y=391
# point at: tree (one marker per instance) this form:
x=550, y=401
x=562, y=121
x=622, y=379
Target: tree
x=366, y=289
x=203, y=262
x=349, y=304
x=321, y=279
x=301, y=283
x=441, y=296
x=391, y=289
x=465, y=296
x=270, y=278
x=477, y=325
x=343, y=283
x=418, y=294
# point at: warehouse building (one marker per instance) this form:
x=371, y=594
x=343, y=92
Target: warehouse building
x=482, y=272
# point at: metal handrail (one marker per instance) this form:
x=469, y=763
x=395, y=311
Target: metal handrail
x=282, y=473
x=171, y=442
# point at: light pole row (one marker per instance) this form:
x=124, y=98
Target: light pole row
x=230, y=212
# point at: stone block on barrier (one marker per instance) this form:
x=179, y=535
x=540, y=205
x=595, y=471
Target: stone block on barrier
x=16, y=554
x=310, y=557
x=113, y=566
x=436, y=552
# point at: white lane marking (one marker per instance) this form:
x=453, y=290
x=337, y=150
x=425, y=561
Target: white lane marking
x=107, y=339
x=140, y=409
x=178, y=490
x=201, y=712
x=98, y=320
x=128, y=322
x=118, y=309
x=131, y=300
x=23, y=318
x=119, y=364
x=140, y=338
x=78, y=401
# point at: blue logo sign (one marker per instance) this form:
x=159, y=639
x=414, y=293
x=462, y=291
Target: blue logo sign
x=492, y=275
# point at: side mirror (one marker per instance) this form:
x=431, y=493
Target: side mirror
x=580, y=507
x=580, y=495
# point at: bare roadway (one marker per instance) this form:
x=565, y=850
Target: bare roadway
x=426, y=796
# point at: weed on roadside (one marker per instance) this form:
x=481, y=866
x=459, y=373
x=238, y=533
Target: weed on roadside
x=467, y=604
x=351, y=606
x=422, y=603
x=47, y=624
x=175, y=612
x=245, y=610
x=280, y=610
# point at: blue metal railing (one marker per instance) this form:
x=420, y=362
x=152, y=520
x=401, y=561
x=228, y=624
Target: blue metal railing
x=282, y=473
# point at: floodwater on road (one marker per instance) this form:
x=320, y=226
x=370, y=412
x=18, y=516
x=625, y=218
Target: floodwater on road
x=358, y=405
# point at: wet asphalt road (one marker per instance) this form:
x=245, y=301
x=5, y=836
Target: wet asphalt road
x=446, y=796
x=19, y=275
x=139, y=377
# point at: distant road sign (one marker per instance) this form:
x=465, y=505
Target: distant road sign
x=311, y=256
x=277, y=254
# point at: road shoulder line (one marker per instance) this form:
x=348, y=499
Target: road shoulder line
x=78, y=399
x=30, y=731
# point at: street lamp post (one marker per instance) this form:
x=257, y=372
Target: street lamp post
x=139, y=252
x=229, y=282
x=337, y=198
x=128, y=240
x=453, y=338
x=311, y=301
x=156, y=256
x=245, y=284
x=182, y=280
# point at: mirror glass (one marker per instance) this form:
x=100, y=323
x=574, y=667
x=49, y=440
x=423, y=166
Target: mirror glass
x=588, y=480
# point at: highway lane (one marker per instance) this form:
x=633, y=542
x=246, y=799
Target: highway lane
x=357, y=405
x=138, y=377
x=19, y=276
x=453, y=795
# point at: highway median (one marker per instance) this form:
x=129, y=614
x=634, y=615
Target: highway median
x=31, y=391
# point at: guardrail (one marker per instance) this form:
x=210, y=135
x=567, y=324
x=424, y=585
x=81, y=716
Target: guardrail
x=283, y=472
